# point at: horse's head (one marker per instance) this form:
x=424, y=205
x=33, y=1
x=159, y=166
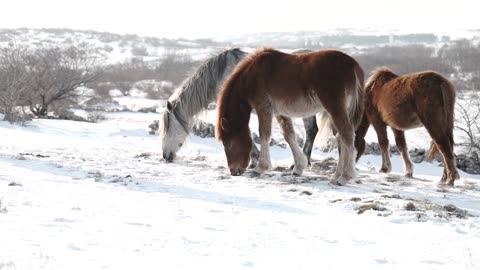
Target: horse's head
x=173, y=133
x=237, y=145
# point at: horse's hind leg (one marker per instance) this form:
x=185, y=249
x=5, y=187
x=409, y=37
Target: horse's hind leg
x=381, y=130
x=360, y=136
x=289, y=134
x=402, y=147
x=346, y=162
x=311, y=129
x=254, y=154
x=444, y=142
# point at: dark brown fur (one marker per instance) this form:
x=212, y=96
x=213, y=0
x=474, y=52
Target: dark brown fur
x=287, y=85
x=405, y=102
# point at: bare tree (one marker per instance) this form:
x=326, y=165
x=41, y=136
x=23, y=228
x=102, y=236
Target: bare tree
x=57, y=74
x=14, y=81
x=468, y=122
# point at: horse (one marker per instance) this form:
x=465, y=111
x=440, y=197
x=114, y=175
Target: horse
x=283, y=85
x=193, y=97
x=196, y=92
x=405, y=102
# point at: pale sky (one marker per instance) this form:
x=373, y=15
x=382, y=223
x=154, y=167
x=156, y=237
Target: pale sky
x=211, y=18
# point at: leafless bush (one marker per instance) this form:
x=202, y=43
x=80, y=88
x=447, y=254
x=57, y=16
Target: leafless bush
x=57, y=73
x=96, y=116
x=462, y=54
x=14, y=82
x=467, y=121
x=174, y=67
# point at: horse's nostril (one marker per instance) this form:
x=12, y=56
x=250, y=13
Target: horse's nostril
x=168, y=158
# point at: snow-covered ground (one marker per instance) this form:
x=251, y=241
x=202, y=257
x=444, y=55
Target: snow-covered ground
x=79, y=195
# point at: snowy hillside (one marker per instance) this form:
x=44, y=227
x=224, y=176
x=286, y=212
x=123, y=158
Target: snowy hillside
x=80, y=195
x=116, y=48
x=112, y=47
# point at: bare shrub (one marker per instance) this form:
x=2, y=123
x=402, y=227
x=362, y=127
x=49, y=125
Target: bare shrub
x=468, y=122
x=96, y=116
x=56, y=75
x=174, y=67
x=14, y=82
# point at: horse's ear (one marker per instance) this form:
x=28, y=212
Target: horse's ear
x=225, y=125
x=169, y=106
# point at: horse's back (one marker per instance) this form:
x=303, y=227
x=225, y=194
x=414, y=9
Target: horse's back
x=429, y=83
x=401, y=100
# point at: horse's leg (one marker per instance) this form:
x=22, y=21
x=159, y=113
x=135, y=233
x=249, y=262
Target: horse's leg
x=265, y=131
x=443, y=141
x=360, y=136
x=300, y=160
x=453, y=167
x=402, y=146
x=346, y=161
x=381, y=130
x=254, y=153
x=311, y=129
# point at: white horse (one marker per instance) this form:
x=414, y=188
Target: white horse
x=192, y=97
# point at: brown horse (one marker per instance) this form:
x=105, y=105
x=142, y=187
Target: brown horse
x=288, y=85
x=405, y=102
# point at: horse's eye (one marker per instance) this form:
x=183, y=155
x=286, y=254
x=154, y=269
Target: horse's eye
x=180, y=144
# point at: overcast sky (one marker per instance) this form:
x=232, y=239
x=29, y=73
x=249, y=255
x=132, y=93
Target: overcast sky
x=211, y=18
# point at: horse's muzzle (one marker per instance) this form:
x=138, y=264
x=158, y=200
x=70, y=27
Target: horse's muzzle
x=168, y=158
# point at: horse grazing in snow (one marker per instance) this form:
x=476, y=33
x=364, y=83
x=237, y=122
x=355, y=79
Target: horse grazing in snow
x=285, y=85
x=405, y=102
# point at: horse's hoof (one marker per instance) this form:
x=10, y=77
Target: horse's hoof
x=237, y=172
x=409, y=175
x=384, y=170
x=450, y=182
x=445, y=184
x=338, y=182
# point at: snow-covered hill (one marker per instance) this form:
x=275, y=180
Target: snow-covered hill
x=79, y=195
x=116, y=48
x=112, y=47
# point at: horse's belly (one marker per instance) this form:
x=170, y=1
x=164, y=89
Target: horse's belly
x=407, y=121
x=298, y=108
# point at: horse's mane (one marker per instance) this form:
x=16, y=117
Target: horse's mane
x=230, y=85
x=200, y=89
x=378, y=73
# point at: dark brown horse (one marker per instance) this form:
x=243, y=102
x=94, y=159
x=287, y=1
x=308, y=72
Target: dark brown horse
x=405, y=102
x=288, y=85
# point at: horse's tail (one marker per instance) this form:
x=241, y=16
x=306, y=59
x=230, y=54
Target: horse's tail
x=357, y=105
x=432, y=152
x=326, y=129
x=448, y=96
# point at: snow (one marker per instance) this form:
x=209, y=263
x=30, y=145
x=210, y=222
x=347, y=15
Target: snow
x=86, y=198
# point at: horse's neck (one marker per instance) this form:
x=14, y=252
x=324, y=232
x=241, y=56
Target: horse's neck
x=189, y=105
